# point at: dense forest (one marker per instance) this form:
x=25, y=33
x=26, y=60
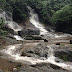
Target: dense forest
x=57, y=13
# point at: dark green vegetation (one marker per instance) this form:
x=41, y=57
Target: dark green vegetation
x=62, y=19
x=2, y=32
x=65, y=55
x=57, y=13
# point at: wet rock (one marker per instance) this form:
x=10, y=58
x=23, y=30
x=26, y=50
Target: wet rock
x=1, y=70
x=70, y=41
x=43, y=67
x=27, y=68
x=14, y=69
x=36, y=37
x=28, y=38
x=33, y=37
x=57, y=43
x=29, y=32
x=10, y=36
x=37, y=52
x=42, y=35
x=8, y=29
x=45, y=40
x=64, y=55
x=9, y=40
x=23, y=54
x=54, y=67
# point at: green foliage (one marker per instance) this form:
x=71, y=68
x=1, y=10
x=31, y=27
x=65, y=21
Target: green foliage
x=62, y=19
x=51, y=12
x=65, y=57
x=2, y=32
x=1, y=23
x=2, y=3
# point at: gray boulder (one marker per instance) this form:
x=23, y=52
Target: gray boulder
x=64, y=55
x=24, y=32
x=1, y=70
x=44, y=67
x=33, y=37
x=40, y=51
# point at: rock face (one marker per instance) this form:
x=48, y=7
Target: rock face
x=64, y=52
x=5, y=15
x=8, y=30
x=28, y=32
x=45, y=40
x=41, y=51
x=41, y=68
x=64, y=55
x=29, y=29
x=33, y=37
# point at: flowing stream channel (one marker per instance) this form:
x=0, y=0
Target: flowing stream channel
x=13, y=52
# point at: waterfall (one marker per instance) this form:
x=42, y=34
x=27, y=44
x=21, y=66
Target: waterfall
x=51, y=54
x=14, y=26
x=7, y=16
x=35, y=21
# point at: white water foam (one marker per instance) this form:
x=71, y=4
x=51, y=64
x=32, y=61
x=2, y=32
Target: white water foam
x=18, y=37
x=35, y=21
x=13, y=25
x=14, y=51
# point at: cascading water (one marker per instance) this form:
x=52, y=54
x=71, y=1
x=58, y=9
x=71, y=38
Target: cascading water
x=51, y=54
x=8, y=21
x=14, y=53
x=11, y=24
x=35, y=21
x=18, y=37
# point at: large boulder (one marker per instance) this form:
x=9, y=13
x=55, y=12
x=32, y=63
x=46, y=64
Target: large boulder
x=64, y=55
x=29, y=29
x=33, y=37
x=24, y=32
x=1, y=70
x=43, y=67
x=40, y=51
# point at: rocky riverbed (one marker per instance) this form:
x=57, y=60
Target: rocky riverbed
x=39, y=50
